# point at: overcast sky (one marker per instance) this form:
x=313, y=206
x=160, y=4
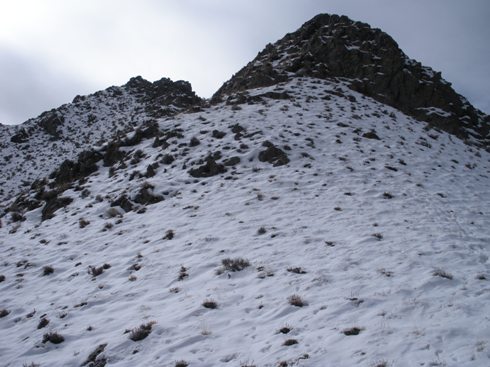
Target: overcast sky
x=52, y=50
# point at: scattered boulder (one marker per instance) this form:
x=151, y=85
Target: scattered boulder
x=233, y=161
x=167, y=159
x=371, y=135
x=21, y=137
x=147, y=131
x=146, y=197
x=273, y=155
x=218, y=134
x=208, y=169
x=112, y=154
x=50, y=121
x=123, y=202
x=70, y=171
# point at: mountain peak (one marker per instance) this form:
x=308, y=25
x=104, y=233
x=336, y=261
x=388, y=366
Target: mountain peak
x=333, y=46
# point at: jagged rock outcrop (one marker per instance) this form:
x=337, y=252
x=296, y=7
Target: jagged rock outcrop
x=332, y=46
x=163, y=97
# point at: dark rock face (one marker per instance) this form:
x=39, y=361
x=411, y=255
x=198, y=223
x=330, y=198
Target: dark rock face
x=112, y=154
x=273, y=155
x=332, y=46
x=70, y=171
x=53, y=204
x=21, y=137
x=123, y=202
x=147, y=131
x=50, y=121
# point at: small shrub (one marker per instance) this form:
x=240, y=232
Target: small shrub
x=96, y=271
x=296, y=300
x=53, y=337
x=183, y=273
x=48, y=270
x=261, y=231
x=352, y=331
x=141, y=332
x=181, y=364
x=43, y=323
x=236, y=264
x=297, y=270
x=209, y=303
x=169, y=235
x=135, y=267
x=378, y=236
x=290, y=342
x=108, y=226
x=285, y=329
x=386, y=273
x=3, y=312
x=443, y=274
x=387, y=195
x=83, y=223
x=2, y=278
x=92, y=359
x=194, y=142
x=380, y=364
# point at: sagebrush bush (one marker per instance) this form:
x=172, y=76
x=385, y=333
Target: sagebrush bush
x=183, y=273
x=169, y=235
x=296, y=270
x=236, y=264
x=141, y=332
x=261, y=231
x=42, y=323
x=297, y=301
x=96, y=271
x=442, y=273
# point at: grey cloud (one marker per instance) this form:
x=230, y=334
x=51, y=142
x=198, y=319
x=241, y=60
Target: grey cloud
x=29, y=87
x=206, y=41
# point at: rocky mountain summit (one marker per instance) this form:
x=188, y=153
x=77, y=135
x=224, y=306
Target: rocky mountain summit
x=332, y=46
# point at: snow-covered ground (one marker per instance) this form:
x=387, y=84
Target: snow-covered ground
x=384, y=242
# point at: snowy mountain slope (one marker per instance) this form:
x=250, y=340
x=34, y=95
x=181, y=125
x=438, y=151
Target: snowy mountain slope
x=35, y=148
x=377, y=223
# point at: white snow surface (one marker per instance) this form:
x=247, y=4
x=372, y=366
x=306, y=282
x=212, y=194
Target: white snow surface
x=392, y=236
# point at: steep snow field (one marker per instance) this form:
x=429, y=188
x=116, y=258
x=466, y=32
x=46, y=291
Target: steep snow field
x=385, y=243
